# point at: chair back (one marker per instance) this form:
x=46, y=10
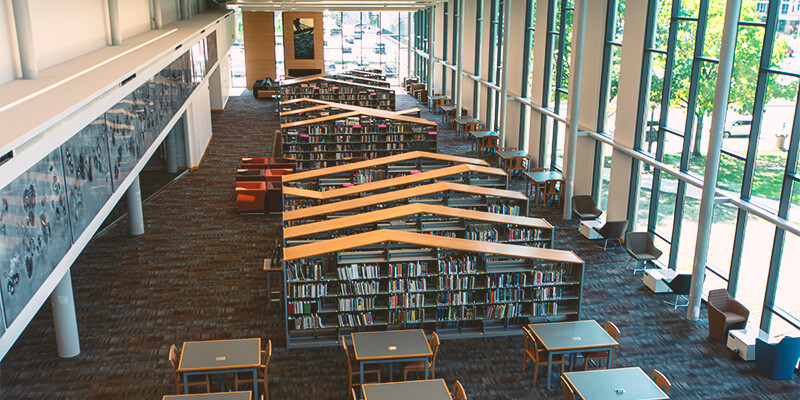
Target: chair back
x=612, y=330
x=353, y=392
x=174, y=360
x=719, y=299
x=530, y=344
x=488, y=142
x=267, y=354
x=681, y=284
x=517, y=164
x=777, y=360
x=552, y=186
x=434, y=343
x=458, y=392
x=566, y=388
x=613, y=229
x=636, y=242
x=347, y=356
x=661, y=381
x=538, y=169
x=584, y=204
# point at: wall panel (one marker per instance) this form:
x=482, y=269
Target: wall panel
x=169, y=11
x=7, y=68
x=259, y=45
x=135, y=17
x=63, y=30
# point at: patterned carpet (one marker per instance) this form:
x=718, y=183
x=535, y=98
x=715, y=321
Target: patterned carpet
x=196, y=275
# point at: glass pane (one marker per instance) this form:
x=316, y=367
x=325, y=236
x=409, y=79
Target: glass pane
x=785, y=49
x=786, y=294
x=780, y=328
x=723, y=230
x=662, y=245
x=681, y=75
x=716, y=16
x=673, y=147
x=666, y=205
x=662, y=25
x=689, y=9
x=794, y=206
x=755, y=266
x=713, y=282
x=752, y=11
x=777, y=122
x=650, y=136
x=688, y=234
x=611, y=108
x=698, y=135
x=643, y=203
x=619, y=25
x=605, y=174
x=333, y=59
x=731, y=170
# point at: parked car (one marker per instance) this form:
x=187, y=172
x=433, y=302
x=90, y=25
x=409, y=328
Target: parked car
x=738, y=128
x=336, y=31
x=380, y=48
x=389, y=69
x=347, y=50
x=349, y=40
x=330, y=67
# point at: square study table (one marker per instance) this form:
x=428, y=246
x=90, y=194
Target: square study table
x=220, y=357
x=481, y=133
x=506, y=155
x=572, y=337
x=434, y=389
x=615, y=384
x=211, y=396
x=391, y=347
x=466, y=125
x=536, y=179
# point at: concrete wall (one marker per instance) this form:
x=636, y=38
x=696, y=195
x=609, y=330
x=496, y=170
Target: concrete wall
x=8, y=44
x=135, y=17
x=66, y=29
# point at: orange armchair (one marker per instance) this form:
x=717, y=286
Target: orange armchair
x=250, y=196
x=724, y=314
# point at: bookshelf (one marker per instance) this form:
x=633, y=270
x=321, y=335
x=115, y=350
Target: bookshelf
x=367, y=73
x=474, y=175
x=374, y=170
x=365, y=79
x=339, y=91
x=386, y=280
x=304, y=108
x=456, y=195
x=430, y=219
x=331, y=140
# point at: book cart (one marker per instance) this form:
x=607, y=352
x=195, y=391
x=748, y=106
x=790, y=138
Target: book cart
x=456, y=195
x=332, y=140
x=339, y=91
x=374, y=170
x=430, y=219
x=474, y=175
x=388, y=280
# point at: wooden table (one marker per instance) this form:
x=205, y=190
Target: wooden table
x=482, y=133
x=506, y=155
x=212, y=396
x=437, y=101
x=615, y=384
x=220, y=357
x=539, y=178
x=572, y=337
x=434, y=389
x=391, y=347
x=465, y=125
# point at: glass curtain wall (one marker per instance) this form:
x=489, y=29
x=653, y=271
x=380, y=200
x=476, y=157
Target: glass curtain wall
x=759, y=157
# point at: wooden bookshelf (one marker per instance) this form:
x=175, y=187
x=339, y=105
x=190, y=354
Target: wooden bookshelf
x=475, y=175
x=430, y=219
x=304, y=108
x=448, y=194
x=363, y=79
x=374, y=170
x=339, y=91
x=387, y=279
x=373, y=74
x=330, y=140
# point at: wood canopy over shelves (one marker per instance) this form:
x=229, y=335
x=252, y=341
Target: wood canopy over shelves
x=392, y=115
x=324, y=104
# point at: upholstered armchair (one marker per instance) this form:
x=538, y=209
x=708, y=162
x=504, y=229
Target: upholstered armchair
x=612, y=230
x=777, y=360
x=584, y=207
x=250, y=196
x=640, y=246
x=724, y=314
x=681, y=285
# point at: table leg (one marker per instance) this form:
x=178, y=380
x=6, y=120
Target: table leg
x=426, y=368
x=362, y=372
x=255, y=383
x=610, y=357
x=221, y=382
x=391, y=372
x=185, y=383
x=549, y=367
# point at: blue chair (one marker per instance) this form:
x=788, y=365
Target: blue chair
x=778, y=360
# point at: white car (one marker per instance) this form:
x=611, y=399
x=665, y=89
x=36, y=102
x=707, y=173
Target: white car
x=739, y=128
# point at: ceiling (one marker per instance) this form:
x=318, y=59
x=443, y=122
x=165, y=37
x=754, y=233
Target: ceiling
x=333, y=5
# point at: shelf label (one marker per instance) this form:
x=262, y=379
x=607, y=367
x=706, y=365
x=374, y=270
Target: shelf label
x=221, y=358
x=392, y=348
x=303, y=135
x=431, y=133
x=381, y=126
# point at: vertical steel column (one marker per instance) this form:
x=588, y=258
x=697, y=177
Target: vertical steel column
x=493, y=22
x=114, y=22
x=476, y=90
x=504, y=76
x=27, y=51
x=409, y=45
x=135, y=215
x=64, y=321
x=171, y=144
x=157, y=17
x=459, y=57
x=431, y=18
x=571, y=138
x=722, y=90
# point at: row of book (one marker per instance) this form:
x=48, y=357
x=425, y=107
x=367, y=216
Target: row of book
x=451, y=234
x=406, y=300
x=296, y=204
x=454, y=298
x=455, y=282
x=503, y=311
x=305, y=271
x=313, y=321
x=360, y=319
x=455, y=313
x=503, y=295
x=460, y=264
x=551, y=274
x=506, y=280
x=303, y=307
x=548, y=293
x=307, y=289
x=502, y=208
x=358, y=303
x=524, y=234
x=407, y=285
x=484, y=234
x=355, y=271
x=406, y=316
x=544, y=309
x=408, y=269
x=363, y=176
x=359, y=288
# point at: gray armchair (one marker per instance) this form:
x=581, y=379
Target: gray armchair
x=639, y=245
x=584, y=207
x=612, y=230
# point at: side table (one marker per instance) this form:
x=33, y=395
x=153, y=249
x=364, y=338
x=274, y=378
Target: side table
x=654, y=279
x=587, y=228
x=743, y=341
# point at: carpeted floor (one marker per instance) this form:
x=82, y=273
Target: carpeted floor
x=196, y=275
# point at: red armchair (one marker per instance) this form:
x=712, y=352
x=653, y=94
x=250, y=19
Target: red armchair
x=250, y=196
x=724, y=314
x=282, y=162
x=274, y=197
x=274, y=174
x=251, y=175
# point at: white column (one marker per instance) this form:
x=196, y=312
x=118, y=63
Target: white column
x=460, y=58
x=431, y=45
x=158, y=21
x=504, y=73
x=114, y=22
x=571, y=138
x=410, y=45
x=722, y=91
x=27, y=51
x=64, y=320
x=171, y=145
x=135, y=215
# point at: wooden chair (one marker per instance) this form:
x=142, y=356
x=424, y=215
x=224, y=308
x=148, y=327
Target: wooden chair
x=247, y=377
x=458, y=392
x=599, y=356
x=356, y=372
x=419, y=366
x=194, y=380
x=487, y=145
x=517, y=165
x=551, y=188
x=566, y=388
x=533, y=188
x=353, y=392
x=538, y=356
x=661, y=381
